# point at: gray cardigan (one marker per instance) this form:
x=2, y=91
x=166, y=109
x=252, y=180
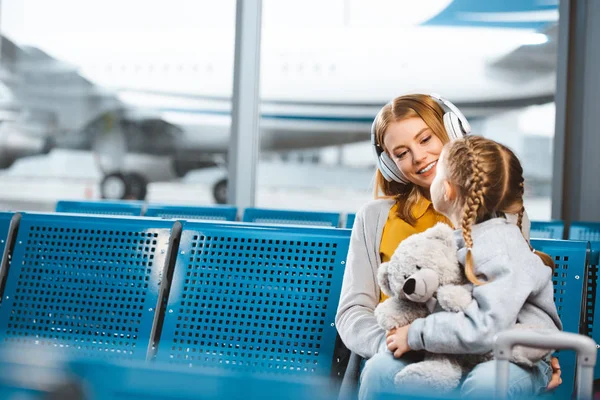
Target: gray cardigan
x=360, y=293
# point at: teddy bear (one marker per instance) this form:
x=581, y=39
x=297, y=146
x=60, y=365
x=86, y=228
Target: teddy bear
x=422, y=276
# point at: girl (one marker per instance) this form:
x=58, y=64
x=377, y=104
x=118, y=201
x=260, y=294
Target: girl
x=478, y=182
x=411, y=132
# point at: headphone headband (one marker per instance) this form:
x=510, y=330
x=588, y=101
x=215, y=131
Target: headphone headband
x=448, y=107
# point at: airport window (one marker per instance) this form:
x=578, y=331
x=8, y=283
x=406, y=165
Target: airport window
x=324, y=77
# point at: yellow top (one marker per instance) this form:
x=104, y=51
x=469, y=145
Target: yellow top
x=396, y=229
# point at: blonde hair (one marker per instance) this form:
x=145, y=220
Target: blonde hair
x=401, y=108
x=489, y=181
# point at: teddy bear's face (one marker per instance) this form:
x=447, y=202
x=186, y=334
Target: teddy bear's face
x=418, y=260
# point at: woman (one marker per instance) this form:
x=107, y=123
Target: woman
x=408, y=135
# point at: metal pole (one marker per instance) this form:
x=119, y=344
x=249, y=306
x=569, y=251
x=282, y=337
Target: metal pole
x=575, y=190
x=561, y=101
x=245, y=137
x=502, y=375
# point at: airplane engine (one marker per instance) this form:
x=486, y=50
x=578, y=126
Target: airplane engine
x=15, y=144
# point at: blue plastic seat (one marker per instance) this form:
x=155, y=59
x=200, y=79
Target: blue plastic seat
x=255, y=298
x=28, y=378
x=125, y=208
x=570, y=258
x=592, y=300
x=547, y=229
x=350, y=220
x=291, y=217
x=585, y=231
x=215, y=213
x=85, y=284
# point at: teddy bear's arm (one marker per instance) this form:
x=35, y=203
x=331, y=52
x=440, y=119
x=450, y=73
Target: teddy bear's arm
x=528, y=356
x=455, y=298
x=395, y=313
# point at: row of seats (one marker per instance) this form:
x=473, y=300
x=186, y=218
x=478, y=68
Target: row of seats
x=224, y=294
x=556, y=230
x=213, y=213
x=23, y=376
x=539, y=229
x=545, y=229
x=584, y=231
x=228, y=295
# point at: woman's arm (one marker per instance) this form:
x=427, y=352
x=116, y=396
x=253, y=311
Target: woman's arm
x=355, y=320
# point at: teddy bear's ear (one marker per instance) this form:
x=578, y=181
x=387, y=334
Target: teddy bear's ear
x=383, y=277
x=442, y=232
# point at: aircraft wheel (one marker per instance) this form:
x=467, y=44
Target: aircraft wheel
x=220, y=191
x=114, y=186
x=137, y=186
x=119, y=186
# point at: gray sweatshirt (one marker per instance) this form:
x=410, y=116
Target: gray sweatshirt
x=519, y=289
x=360, y=293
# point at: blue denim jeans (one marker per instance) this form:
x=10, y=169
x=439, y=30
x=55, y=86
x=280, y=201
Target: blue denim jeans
x=378, y=373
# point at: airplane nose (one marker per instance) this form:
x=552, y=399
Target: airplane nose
x=409, y=286
x=15, y=143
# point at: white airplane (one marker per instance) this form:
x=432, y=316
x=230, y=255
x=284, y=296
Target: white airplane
x=154, y=115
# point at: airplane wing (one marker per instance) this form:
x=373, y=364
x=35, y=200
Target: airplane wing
x=530, y=60
x=519, y=14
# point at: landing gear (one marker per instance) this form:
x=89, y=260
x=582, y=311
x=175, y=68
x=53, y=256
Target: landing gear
x=220, y=191
x=138, y=186
x=119, y=186
x=113, y=186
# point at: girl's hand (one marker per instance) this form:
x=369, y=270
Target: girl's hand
x=556, y=380
x=397, y=341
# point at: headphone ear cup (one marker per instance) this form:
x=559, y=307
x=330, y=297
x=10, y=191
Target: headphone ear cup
x=383, y=169
x=452, y=125
x=464, y=127
x=389, y=170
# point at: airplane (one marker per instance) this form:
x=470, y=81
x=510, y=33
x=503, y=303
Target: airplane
x=152, y=116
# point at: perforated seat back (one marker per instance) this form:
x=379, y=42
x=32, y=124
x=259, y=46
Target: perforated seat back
x=585, y=231
x=125, y=208
x=88, y=285
x=259, y=298
x=291, y=217
x=547, y=229
x=570, y=258
x=214, y=213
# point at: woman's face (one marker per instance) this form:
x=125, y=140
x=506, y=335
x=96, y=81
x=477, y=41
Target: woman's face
x=414, y=148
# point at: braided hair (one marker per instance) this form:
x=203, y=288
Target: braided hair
x=489, y=180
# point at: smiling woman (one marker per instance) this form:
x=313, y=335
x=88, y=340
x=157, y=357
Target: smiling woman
x=408, y=135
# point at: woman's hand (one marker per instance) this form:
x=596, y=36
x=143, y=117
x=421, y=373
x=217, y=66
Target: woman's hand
x=397, y=341
x=556, y=379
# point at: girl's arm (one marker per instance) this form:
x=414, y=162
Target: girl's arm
x=355, y=320
x=494, y=308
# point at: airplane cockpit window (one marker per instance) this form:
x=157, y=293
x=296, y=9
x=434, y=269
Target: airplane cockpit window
x=153, y=95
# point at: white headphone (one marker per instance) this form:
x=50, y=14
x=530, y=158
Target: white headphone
x=456, y=125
